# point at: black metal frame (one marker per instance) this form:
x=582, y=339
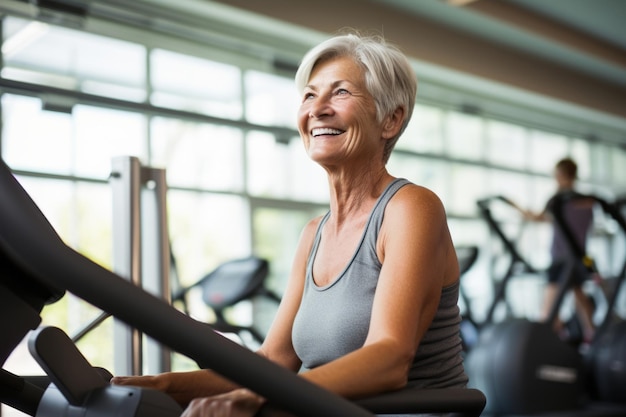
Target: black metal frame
x=516, y=265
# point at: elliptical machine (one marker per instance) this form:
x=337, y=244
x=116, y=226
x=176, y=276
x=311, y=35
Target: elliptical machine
x=605, y=360
x=37, y=268
x=517, y=265
x=524, y=368
x=467, y=256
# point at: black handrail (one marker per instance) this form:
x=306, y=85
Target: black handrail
x=516, y=258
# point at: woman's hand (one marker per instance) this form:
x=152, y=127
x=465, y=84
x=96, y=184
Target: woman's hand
x=181, y=386
x=237, y=403
x=162, y=382
x=158, y=382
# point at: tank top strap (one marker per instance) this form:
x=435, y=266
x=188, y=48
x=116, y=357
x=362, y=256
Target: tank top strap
x=377, y=215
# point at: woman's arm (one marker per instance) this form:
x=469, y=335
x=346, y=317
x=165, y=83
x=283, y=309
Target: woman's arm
x=181, y=386
x=541, y=216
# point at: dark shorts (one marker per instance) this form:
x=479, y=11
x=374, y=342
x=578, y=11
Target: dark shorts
x=556, y=273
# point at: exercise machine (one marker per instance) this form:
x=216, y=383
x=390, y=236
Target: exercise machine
x=37, y=268
x=525, y=369
x=471, y=327
x=517, y=265
x=230, y=283
x=466, y=256
x=605, y=360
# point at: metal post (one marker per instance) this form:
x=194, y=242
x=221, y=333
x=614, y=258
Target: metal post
x=155, y=256
x=140, y=254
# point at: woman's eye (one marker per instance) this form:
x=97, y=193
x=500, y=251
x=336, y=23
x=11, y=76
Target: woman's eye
x=341, y=91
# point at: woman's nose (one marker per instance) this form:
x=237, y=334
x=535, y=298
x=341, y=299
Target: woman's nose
x=321, y=107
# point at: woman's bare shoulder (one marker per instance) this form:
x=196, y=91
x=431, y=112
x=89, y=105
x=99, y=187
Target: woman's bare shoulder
x=414, y=198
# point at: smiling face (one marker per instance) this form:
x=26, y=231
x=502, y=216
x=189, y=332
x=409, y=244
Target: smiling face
x=337, y=118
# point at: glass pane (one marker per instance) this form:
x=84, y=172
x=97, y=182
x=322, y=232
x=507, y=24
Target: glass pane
x=429, y=173
x=282, y=170
x=93, y=222
x=33, y=139
x=514, y=186
x=55, y=200
x=468, y=232
x=276, y=236
x=271, y=100
x=600, y=162
x=45, y=54
x=546, y=150
x=464, y=136
x=468, y=185
x=194, y=84
x=619, y=166
x=198, y=155
x=506, y=144
x=81, y=213
x=542, y=189
x=476, y=284
x=424, y=133
x=102, y=134
x=206, y=230
x=582, y=155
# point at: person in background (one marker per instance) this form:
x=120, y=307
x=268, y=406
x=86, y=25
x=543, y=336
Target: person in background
x=579, y=216
x=371, y=302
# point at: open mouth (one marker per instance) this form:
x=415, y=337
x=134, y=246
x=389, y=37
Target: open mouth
x=325, y=131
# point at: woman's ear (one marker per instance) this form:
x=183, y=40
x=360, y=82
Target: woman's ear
x=393, y=123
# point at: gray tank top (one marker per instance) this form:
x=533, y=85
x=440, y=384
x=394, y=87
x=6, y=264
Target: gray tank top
x=333, y=320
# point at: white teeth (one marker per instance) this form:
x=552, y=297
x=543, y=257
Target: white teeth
x=325, y=131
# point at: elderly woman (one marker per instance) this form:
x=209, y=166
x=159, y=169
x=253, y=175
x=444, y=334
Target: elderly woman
x=371, y=302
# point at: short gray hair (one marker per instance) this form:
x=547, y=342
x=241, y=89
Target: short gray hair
x=389, y=77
